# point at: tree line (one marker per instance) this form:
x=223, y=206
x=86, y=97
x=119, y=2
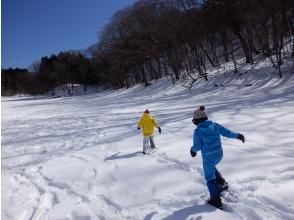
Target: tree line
x=167, y=38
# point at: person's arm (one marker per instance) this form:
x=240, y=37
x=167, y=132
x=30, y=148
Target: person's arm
x=226, y=132
x=230, y=134
x=197, y=144
x=155, y=123
x=140, y=124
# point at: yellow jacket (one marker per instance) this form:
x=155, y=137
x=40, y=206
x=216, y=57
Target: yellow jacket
x=147, y=122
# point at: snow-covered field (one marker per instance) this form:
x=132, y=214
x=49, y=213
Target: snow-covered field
x=80, y=157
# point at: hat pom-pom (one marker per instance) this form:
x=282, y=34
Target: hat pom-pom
x=202, y=108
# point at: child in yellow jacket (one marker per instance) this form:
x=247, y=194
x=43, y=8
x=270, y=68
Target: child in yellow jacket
x=147, y=122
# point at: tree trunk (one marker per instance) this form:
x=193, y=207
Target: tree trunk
x=245, y=48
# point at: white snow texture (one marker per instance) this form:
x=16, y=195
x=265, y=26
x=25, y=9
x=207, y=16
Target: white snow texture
x=80, y=157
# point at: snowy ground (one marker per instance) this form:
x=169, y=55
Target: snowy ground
x=79, y=157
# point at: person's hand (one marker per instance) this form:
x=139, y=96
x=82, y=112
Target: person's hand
x=241, y=137
x=159, y=130
x=193, y=154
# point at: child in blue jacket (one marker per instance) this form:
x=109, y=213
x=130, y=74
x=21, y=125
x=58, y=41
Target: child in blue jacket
x=207, y=140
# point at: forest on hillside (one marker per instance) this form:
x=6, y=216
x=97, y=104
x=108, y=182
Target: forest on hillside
x=166, y=38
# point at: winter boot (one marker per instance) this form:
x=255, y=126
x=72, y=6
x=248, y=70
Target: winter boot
x=215, y=199
x=223, y=187
x=222, y=184
x=219, y=178
x=216, y=202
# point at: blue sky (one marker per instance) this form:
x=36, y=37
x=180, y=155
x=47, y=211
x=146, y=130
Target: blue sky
x=31, y=29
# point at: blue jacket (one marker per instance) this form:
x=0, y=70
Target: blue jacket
x=207, y=139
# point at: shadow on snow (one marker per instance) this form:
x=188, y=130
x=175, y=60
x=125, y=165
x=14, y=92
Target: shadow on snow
x=124, y=156
x=192, y=212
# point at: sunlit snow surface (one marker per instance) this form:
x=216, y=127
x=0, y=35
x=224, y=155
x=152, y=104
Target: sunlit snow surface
x=80, y=157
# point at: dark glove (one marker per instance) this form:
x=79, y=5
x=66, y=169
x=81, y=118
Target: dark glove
x=139, y=128
x=193, y=154
x=241, y=137
x=159, y=130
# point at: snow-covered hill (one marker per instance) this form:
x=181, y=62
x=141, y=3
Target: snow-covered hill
x=80, y=157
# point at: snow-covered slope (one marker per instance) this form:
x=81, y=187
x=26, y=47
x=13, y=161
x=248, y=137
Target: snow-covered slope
x=80, y=157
